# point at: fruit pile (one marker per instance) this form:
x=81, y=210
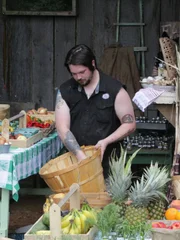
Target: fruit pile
x=37, y=122
x=75, y=222
x=174, y=225
x=172, y=214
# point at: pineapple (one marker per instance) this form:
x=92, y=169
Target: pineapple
x=120, y=178
x=156, y=209
x=148, y=189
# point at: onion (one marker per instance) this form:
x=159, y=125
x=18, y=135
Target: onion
x=2, y=140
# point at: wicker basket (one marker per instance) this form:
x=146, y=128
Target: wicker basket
x=95, y=200
x=60, y=173
x=176, y=185
x=4, y=111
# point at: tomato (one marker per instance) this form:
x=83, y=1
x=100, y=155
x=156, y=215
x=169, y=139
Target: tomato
x=175, y=225
x=28, y=118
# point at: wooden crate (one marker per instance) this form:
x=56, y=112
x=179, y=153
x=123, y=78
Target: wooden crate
x=89, y=236
x=55, y=220
x=28, y=142
x=44, y=117
x=22, y=124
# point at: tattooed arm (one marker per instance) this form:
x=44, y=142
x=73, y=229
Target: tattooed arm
x=62, y=118
x=125, y=112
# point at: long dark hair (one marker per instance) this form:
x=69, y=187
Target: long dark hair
x=80, y=55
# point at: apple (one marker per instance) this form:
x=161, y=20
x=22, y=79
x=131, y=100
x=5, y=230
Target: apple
x=42, y=110
x=175, y=225
x=169, y=227
x=159, y=225
x=162, y=225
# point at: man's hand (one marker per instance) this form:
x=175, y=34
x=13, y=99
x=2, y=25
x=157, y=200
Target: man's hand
x=80, y=155
x=102, y=144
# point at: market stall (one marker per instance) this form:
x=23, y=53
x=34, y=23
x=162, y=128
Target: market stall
x=21, y=163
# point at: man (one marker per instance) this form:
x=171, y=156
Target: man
x=92, y=108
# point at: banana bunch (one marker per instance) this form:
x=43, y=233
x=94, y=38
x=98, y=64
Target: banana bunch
x=46, y=205
x=78, y=221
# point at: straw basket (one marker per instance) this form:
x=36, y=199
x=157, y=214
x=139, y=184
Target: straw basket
x=60, y=173
x=4, y=111
x=176, y=185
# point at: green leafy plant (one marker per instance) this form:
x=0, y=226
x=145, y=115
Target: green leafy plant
x=107, y=219
x=132, y=231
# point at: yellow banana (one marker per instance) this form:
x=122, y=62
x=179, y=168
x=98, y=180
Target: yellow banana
x=77, y=219
x=43, y=232
x=66, y=222
x=84, y=223
x=89, y=215
x=46, y=205
x=74, y=229
x=66, y=229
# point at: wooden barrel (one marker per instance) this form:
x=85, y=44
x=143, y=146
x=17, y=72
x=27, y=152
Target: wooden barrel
x=176, y=185
x=4, y=111
x=60, y=173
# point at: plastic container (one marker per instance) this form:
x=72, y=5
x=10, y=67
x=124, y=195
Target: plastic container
x=60, y=173
x=4, y=148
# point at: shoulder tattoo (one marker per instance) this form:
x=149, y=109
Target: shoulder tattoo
x=128, y=118
x=59, y=100
x=71, y=143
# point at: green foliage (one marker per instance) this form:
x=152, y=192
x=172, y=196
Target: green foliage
x=129, y=231
x=107, y=219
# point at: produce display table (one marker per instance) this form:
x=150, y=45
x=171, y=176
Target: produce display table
x=19, y=164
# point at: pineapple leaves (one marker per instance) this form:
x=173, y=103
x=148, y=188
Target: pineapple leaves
x=120, y=174
x=150, y=186
x=129, y=162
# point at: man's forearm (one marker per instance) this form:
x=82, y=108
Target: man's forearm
x=72, y=145
x=123, y=131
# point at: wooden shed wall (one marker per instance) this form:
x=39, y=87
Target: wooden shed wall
x=32, y=49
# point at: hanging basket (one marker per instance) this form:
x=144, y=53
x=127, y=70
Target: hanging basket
x=60, y=173
x=176, y=186
x=4, y=111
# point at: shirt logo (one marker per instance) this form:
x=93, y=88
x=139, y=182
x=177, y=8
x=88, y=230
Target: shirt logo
x=105, y=96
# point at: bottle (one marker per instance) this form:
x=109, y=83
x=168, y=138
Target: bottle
x=161, y=70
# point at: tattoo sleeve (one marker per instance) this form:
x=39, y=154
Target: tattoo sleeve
x=128, y=118
x=71, y=143
x=59, y=100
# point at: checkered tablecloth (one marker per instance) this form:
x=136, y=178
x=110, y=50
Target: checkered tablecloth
x=21, y=163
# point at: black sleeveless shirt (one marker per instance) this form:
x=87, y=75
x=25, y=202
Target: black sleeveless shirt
x=93, y=119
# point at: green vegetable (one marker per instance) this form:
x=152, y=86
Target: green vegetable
x=107, y=219
x=38, y=226
x=45, y=219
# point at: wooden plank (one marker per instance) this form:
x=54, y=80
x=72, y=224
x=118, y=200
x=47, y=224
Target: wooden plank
x=170, y=10
x=19, y=58
x=42, y=62
x=63, y=41
x=104, y=16
x=152, y=14
x=85, y=32
x=168, y=111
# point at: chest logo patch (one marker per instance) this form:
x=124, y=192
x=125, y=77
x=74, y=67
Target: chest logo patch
x=105, y=96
